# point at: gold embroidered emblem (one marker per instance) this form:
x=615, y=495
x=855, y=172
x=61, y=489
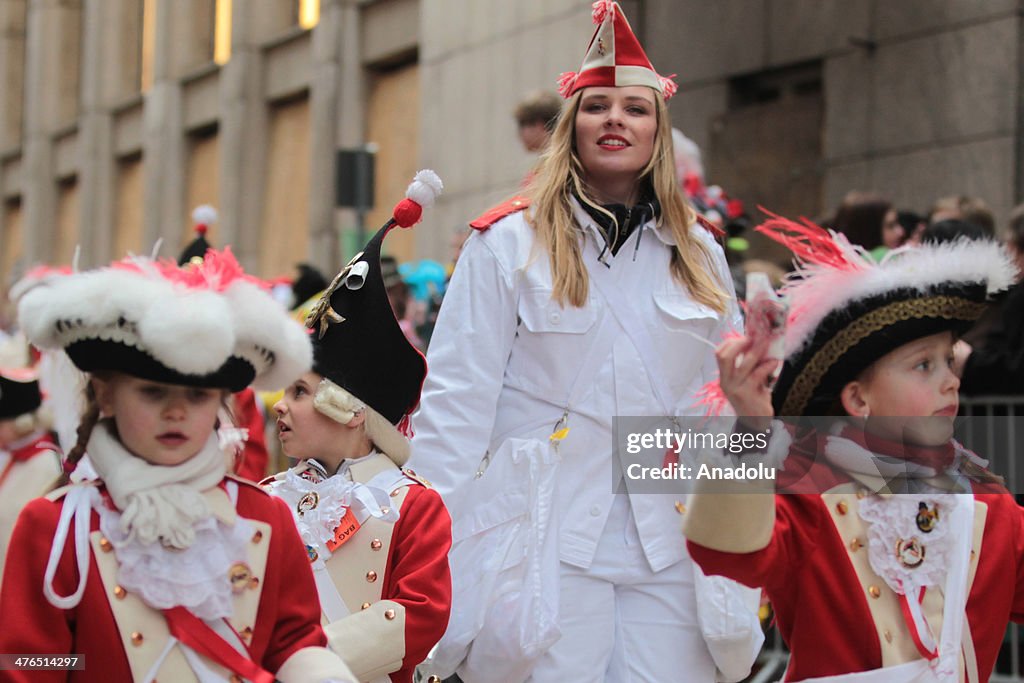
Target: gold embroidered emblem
x=322, y=315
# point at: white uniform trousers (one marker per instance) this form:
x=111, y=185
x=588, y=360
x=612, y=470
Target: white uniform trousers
x=622, y=622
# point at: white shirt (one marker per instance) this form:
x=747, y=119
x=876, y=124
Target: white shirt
x=504, y=356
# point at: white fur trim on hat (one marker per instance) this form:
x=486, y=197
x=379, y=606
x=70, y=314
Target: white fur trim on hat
x=277, y=346
x=814, y=291
x=190, y=327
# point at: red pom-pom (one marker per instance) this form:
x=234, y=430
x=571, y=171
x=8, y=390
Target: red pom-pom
x=201, y=228
x=407, y=213
x=668, y=86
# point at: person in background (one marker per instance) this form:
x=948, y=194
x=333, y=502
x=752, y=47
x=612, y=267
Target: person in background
x=536, y=116
x=870, y=221
x=913, y=226
x=29, y=455
x=991, y=358
x=965, y=208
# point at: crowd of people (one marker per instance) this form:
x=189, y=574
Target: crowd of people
x=451, y=500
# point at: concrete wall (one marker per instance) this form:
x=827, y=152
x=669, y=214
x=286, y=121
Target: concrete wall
x=919, y=99
x=477, y=59
x=920, y=95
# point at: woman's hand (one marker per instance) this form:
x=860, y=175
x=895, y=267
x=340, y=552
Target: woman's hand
x=745, y=371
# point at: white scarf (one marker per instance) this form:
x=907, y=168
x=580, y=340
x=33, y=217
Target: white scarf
x=157, y=502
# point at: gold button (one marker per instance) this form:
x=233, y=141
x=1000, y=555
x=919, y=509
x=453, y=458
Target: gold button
x=433, y=679
x=105, y=544
x=136, y=638
x=246, y=633
x=855, y=545
x=120, y=592
x=973, y=554
x=888, y=636
x=371, y=576
x=257, y=537
x=389, y=614
x=366, y=605
x=875, y=593
x=385, y=510
x=375, y=544
x=680, y=508
x=253, y=583
x=861, y=493
x=239, y=575
x=394, y=494
x=842, y=507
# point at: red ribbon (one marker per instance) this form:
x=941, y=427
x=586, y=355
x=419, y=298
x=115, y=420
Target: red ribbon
x=908, y=617
x=197, y=634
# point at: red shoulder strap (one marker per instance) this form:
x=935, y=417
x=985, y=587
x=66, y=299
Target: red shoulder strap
x=709, y=226
x=496, y=213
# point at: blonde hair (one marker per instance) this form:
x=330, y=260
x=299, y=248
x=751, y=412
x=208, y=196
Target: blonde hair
x=341, y=406
x=560, y=172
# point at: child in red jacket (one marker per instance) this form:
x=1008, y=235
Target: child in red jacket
x=889, y=554
x=165, y=567
x=377, y=535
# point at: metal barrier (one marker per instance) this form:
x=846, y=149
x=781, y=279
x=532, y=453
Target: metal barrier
x=992, y=427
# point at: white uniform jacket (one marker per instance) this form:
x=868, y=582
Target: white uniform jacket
x=504, y=357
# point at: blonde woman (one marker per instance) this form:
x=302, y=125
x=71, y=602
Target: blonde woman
x=576, y=303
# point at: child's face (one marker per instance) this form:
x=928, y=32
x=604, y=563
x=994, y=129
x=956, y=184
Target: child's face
x=304, y=431
x=164, y=424
x=911, y=393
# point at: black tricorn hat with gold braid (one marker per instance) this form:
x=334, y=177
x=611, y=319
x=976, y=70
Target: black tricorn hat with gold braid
x=846, y=311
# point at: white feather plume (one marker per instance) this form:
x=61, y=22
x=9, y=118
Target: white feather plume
x=814, y=291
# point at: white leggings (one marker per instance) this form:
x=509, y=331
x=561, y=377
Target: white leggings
x=622, y=622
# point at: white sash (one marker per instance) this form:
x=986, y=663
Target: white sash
x=912, y=672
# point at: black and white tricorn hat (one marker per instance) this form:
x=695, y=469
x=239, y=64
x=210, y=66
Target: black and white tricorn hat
x=206, y=324
x=846, y=310
x=358, y=347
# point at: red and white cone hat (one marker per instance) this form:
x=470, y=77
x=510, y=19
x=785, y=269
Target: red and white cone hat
x=614, y=57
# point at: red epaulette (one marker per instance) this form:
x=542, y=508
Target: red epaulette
x=496, y=213
x=710, y=227
x=247, y=482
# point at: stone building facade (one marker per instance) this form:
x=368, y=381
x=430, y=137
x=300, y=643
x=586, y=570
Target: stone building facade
x=118, y=116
